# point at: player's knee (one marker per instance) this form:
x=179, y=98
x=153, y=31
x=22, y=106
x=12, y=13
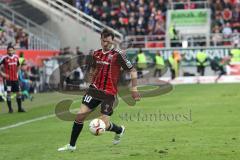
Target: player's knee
x=80, y=117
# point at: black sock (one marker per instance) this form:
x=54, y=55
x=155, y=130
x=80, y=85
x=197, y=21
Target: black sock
x=114, y=128
x=76, y=130
x=9, y=103
x=19, y=102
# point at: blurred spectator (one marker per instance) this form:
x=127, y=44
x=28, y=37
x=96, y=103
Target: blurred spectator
x=162, y=5
x=227, y=30
x=25, y=82
x=3, y=38
x=21, y=59
x=217, y=37
x=159, y=29
x=179, y=5
x=189, y=5
x=10, y=33
x=129, y=17
x=218, y=20
x=148, y=17
x=35, y=78
x=141, y=61
x=173, y=33
x=225, y=14
x=235, y=38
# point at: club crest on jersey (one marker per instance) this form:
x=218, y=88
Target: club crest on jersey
x=110, y=57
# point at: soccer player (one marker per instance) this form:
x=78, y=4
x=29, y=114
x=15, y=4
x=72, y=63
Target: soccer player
x=24, y=83
x=222, y=67
x=10, y=64
x=105, y=72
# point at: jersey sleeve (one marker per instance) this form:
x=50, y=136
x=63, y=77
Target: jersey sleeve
x=123, y=61
x=2, y=59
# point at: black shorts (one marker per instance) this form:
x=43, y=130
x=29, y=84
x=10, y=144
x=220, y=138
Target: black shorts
x=94, y=97
x=12, y=86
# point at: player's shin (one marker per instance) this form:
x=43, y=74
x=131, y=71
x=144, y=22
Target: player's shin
x=19, y=102
x=76, y=130
x=114, y=128
x=9, y=103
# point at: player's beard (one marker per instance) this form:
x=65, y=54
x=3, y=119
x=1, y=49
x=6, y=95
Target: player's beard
x=108, y=47
x=10, y=54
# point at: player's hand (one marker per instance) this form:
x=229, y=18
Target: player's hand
x=136, y=96
x=4, y=75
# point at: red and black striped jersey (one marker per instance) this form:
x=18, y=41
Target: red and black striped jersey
x=108, y=68
x=10, y=64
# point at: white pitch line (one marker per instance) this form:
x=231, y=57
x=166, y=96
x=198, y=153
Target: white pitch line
x=33, y=120
x=26, y=122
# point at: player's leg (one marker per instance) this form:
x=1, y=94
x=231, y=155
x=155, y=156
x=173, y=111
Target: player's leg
x=88, y=104
x=16, y=88
x=203, y=70
x=25, y=87
x=78, y=123
x=19, y=102
x=77, y=128
x=9, y=101
x=173, y=73
x=106, y=112
x=139, y=73
x=198, y=69
x=110, y=126
x=222, y=72
x=155, y=72
x=159, y=73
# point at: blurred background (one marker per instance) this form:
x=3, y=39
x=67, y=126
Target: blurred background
x=180, y=41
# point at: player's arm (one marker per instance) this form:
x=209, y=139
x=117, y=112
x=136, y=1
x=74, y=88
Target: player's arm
x=92, y=71
x=135, y=94
x=127, y=65
x=2, y=73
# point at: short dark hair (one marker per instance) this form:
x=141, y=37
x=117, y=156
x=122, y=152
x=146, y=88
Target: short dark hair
x=106, y=33
x=10, y=47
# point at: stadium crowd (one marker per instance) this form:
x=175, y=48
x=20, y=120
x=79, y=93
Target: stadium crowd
x=148, y=17
x=10, y=33
x=225, y=20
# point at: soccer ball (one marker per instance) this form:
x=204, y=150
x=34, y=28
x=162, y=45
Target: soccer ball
x=97, y=127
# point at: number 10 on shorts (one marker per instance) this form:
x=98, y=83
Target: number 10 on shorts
x=87, y=98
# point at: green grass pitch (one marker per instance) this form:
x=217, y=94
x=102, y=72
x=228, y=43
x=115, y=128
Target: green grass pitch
x=206, y=126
